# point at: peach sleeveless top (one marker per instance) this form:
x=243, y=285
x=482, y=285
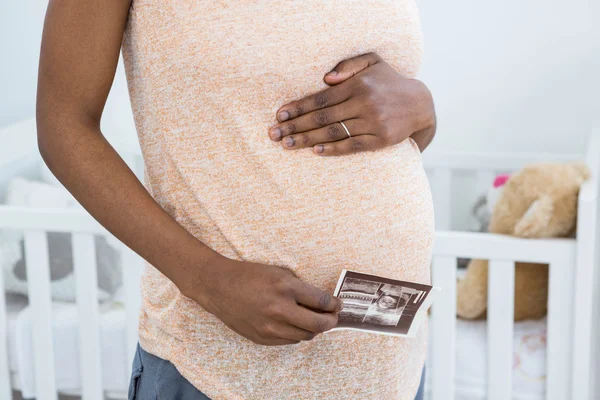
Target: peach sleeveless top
x=205, y=79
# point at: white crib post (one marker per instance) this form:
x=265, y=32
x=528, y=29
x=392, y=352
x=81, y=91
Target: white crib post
x=586, y=267
x=501, y=293
x=38, y=280
x=560, y=319
x=132, y=266
x=84, y=260
x=441, y=183
x=586, y=278
x=443, y=328
x=5, y=392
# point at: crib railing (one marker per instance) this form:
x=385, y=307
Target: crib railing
x=560, y=254
x=573, y=274
x=36, y=223
x=502, y=251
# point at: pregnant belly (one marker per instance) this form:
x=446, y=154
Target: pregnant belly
x=373, y=213
x=370, y=212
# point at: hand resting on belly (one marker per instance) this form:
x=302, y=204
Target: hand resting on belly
x=378, y=107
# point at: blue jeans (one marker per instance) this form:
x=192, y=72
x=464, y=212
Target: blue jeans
x=154, y=378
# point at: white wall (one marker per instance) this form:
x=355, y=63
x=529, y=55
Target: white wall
x=510, y=74
x=20, y=30
x=20, y=36
x=506, y=74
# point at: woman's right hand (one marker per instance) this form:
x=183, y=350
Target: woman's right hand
x=266, y=304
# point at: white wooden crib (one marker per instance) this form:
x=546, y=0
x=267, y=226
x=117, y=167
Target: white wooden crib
x=572, y=317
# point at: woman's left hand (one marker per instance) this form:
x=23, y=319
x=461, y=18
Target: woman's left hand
x=379, y=107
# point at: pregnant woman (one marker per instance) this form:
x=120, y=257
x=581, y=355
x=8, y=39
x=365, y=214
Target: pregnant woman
x=282, y=143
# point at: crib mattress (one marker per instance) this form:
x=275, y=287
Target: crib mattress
x=529, y=360
x=116, y=365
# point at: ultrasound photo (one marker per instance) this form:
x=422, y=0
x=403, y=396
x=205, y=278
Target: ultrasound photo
x=381, y=305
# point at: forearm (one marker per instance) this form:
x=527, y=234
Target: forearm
x=101, y=181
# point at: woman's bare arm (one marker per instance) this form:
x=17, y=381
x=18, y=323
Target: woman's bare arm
x=80, y=50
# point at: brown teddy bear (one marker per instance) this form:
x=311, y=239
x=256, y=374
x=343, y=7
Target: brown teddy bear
x=540, y=201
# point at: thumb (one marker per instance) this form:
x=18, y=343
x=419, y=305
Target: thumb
x=350, y=67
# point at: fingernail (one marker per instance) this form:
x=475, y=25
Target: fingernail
x=332, y=73
x=283, y=116
x=319, y=148
x=276, y=134
x=289, y=141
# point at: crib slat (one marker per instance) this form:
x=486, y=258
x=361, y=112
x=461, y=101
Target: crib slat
x=84, y=262
x=441, y=183
x=132, y=265
x=560, y=300
x=38, y=283
x=443, y=328
x=501, y=292
x=5, y=392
